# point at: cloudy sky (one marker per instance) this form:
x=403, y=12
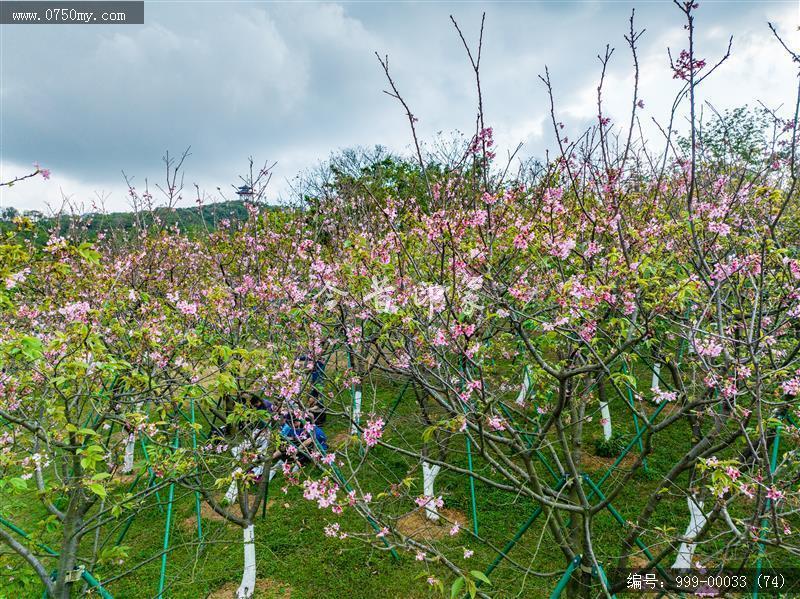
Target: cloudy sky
x=292, y=82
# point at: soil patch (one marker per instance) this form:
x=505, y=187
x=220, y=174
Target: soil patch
x=341, y=440
x=594, y=463
x=207, y=514
x=265, y=589
x=417, y=526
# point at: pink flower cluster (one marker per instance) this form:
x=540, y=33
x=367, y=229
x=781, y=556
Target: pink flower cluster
x=373, y=432
x=483, y=140
x=424, y=500
x=774, y=494
x=562, y=248
x=187, y=308
x=497, y=424
x=75, y=312
x=792, y=386
x=709, y=347
x=322, y=491
x=660, y=395
x=44, y=172
x=685, y=66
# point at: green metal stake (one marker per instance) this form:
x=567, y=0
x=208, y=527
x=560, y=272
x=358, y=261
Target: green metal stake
x=129, y=521
x=343, y=481
x=508, y=414
x=635, y=417
x=397, y=402
x=576, y=561
x=150, y=471
x=266, y=497
x=355, y=412
x=518, y=535
x=196, y=493
x=633, y=442
x=765, y=520
x=602, y=574
x=473, y=503
x=618, y=517
x=87, y=576
x=163, y=575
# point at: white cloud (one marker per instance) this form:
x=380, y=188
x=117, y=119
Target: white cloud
x=293, y=82
x=757, y=70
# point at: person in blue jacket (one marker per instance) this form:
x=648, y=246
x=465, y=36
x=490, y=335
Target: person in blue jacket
x=294, y=431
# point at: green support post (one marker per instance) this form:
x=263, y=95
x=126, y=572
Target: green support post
x=150, y=471
x=635, y=417
x=343, y=482
x=87, y=576
x=618, y=517
x=518, y=535
x=165, y=549
x=765, y=520
x=529, y=443
x=397, y=401
x=633, y=442
x=196, y=493
x=473, y=502
x=562, y=583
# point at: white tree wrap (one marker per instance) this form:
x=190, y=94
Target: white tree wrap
x=428, y=478
x=247, y=588
x=697, y=519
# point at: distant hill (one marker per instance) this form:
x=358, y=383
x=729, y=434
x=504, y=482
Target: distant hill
x=192, y=220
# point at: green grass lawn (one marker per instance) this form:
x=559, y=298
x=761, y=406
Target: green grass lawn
x=295, y=556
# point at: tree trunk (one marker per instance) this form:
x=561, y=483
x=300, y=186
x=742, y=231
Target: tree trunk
x=697, y=519
x=72, y=524
x=247, y=587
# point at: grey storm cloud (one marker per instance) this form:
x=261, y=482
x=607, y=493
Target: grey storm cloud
x=292, y=82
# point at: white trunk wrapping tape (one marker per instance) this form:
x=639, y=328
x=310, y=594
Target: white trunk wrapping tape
x=606, y=415
x=697, y=520
x=656, y=373
x=526, y=387
x=127, y=464
x=356, y=416
x=233, y=488
x=246, y=589
x=428, y=478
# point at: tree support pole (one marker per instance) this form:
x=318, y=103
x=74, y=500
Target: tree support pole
x=562, y=583
x=473, y=502
x=87, y=576
x=163, y=575
x=196, y=493
x=765, y=520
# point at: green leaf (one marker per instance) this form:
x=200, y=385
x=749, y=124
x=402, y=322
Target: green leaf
x=480, y=576
x=86, y=252
x=18, y=483
x=457, y=588
x=31, y=347
x=427, y=434
x=97, y=489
